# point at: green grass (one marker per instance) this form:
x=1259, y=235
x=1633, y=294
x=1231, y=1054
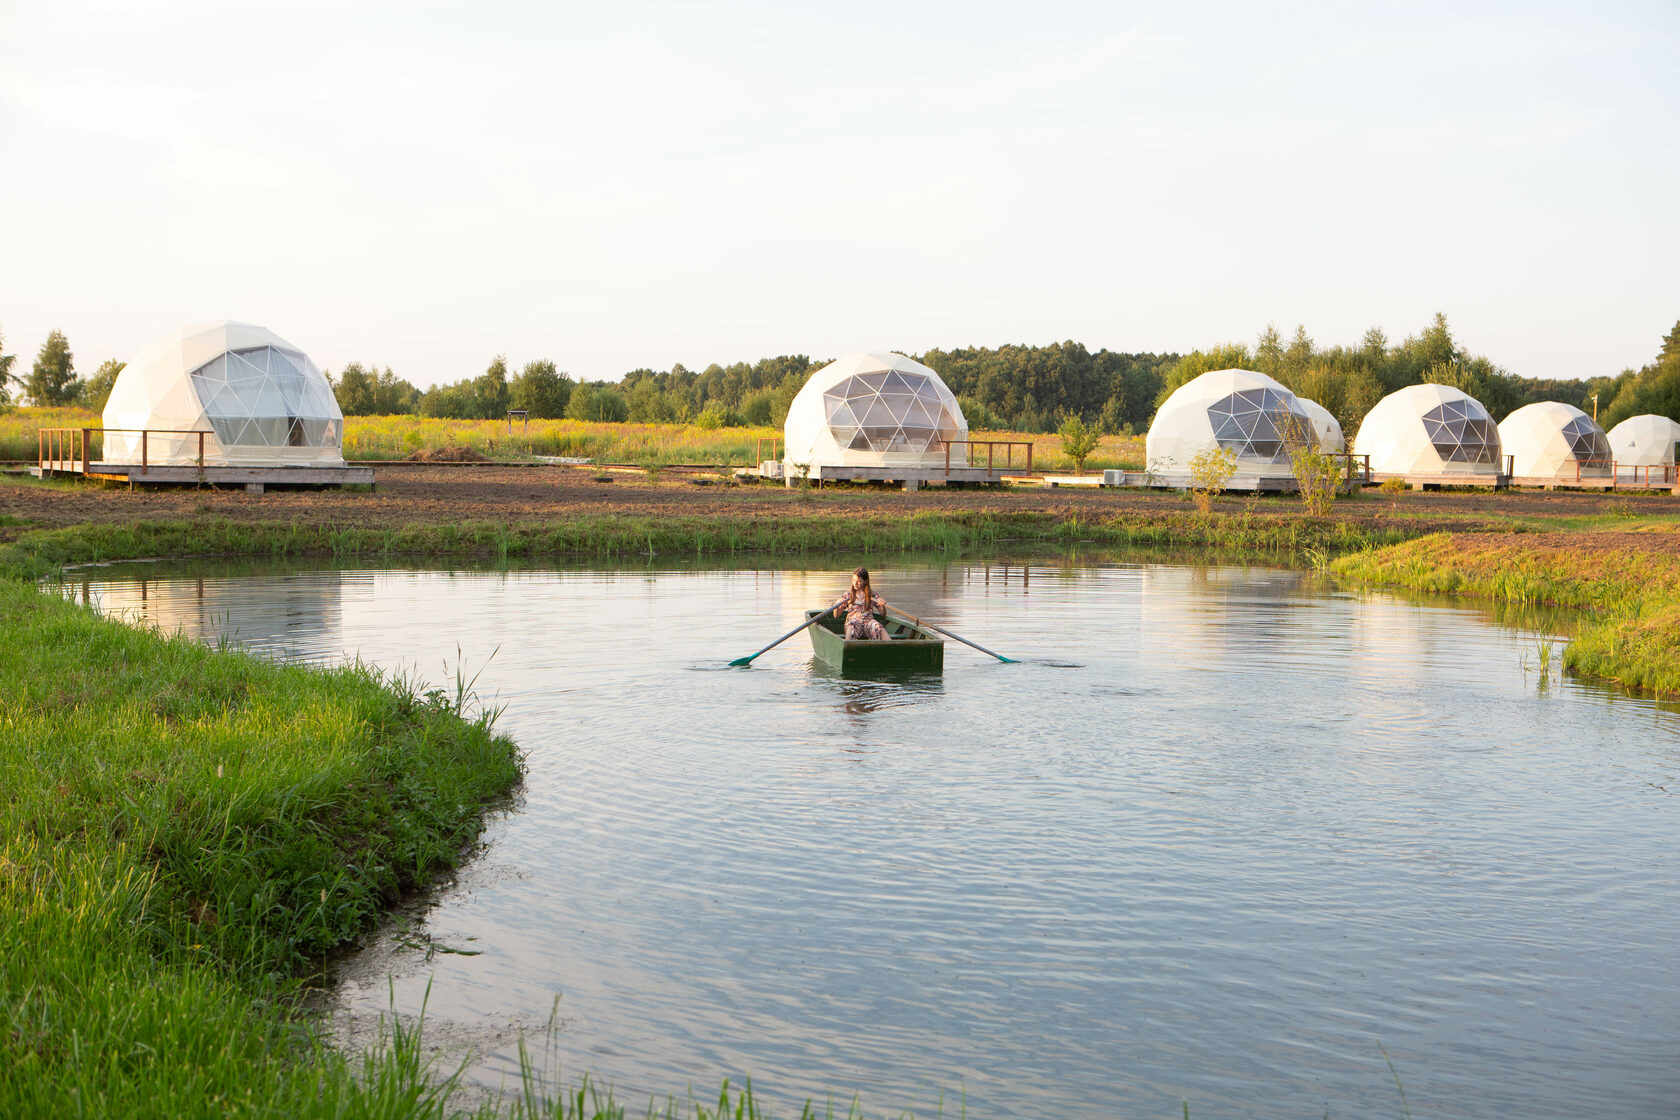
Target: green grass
x=43, y=551
x=1629, y=628
x=187, y=833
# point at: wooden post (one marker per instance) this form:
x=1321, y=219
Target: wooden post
x=144, y=468
x=87, y=444
x=947, y=458
x=1029, y=458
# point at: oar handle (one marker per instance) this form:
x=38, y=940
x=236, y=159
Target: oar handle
x=960, y=638
x=810, y=622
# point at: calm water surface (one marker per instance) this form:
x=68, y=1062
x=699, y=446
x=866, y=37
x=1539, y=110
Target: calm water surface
x=1223, y=838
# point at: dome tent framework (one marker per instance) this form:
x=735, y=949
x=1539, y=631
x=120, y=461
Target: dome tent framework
x=1238, y=410
x=1326, y=428
x=221, y=402
x=1555, y=444
x=1432, y=435
x=1646, y=449
x=258, y=398
x=877, y=417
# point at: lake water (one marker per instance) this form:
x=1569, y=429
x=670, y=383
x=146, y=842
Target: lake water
x=1225, y=836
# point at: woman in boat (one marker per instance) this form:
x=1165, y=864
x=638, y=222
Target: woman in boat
x=859, y=606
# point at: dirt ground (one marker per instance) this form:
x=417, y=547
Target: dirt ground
x=427, y=493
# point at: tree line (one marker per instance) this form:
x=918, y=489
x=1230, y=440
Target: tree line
x=52, y=380
x=1350, y=380
x=1015, y=387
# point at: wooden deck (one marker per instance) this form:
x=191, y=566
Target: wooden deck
x=1430, y=480
x=1180, y=480
x=913, y=478
x=253, y=479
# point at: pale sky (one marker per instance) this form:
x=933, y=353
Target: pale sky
x=621, y=185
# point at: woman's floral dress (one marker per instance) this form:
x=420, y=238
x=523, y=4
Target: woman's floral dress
x=860, y=622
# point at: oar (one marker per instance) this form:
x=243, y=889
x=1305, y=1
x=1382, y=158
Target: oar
x=963, y=640
x=812, y=621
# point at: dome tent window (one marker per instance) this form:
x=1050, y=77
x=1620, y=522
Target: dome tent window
x=1461, y=431
x=1260, y=424
x=1586, y=440
x=891, y=411
x=265, y=397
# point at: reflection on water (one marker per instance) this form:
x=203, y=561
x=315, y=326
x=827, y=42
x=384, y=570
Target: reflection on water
x=1222, y=836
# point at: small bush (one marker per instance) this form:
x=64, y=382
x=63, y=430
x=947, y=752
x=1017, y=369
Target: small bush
x=1210, y=472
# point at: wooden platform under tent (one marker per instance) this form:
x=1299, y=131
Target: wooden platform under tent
x=63, y=453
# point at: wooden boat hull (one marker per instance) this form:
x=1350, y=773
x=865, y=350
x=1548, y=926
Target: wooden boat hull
x=910, y=650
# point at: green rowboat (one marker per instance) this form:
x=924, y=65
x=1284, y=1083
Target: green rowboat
x=909, y=650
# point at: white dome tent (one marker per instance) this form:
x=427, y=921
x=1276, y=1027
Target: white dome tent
x=1645, y=448
x=1325, y=426
x=1555, y=442
x=259, y=400
x=1239, y=409
x=871, y=415
x=1431, y=433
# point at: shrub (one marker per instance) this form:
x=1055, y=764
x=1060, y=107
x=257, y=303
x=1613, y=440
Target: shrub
x=1078, y=441
x=1210, y=472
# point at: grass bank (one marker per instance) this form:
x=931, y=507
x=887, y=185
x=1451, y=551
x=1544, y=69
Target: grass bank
x=40, y=552
x=1629, y=630
x=186, y=833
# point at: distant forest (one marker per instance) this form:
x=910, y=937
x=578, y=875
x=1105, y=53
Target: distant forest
x=1020, y=388
x=1032, y=388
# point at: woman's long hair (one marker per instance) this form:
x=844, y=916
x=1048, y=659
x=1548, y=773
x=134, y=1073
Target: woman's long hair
x=866, y=591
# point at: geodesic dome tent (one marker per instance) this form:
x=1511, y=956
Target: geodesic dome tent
x=872, y=410
x=1644, y=441
x=1555, y=440
x=1239, y=409
x=1430, y=429
x=258, y=398
x=1326, y=427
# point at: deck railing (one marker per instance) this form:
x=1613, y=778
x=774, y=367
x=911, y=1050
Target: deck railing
x=1607, y=466
x=63, y=450
x=66, y=449
x=1654, y=474
x=991, y=446
x=775, y=443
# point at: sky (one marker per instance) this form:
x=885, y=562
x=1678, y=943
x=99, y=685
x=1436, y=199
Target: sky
x=624, y=185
